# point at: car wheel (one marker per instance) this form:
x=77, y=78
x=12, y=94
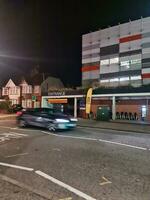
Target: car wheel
x=51, y=127
x=22, y=124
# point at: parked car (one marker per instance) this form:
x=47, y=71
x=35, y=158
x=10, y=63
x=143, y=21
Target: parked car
x=46, y=118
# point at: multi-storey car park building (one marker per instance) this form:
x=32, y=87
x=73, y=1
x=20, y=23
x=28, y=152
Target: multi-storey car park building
x=118, y=55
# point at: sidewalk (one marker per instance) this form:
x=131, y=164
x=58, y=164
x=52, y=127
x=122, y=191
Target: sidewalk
x=7, y=116
x=116, y=125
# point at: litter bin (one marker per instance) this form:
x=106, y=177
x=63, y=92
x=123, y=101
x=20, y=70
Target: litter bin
x=103, y=113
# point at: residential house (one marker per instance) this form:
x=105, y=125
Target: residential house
x=22, y=93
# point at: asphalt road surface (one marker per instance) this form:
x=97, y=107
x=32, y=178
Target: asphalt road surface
x=85, y=163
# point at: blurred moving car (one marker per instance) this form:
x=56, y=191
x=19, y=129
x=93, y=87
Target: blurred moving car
x=46, y=118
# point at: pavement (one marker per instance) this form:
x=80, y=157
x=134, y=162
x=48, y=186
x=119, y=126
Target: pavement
x=119, y=125
x=85, y=163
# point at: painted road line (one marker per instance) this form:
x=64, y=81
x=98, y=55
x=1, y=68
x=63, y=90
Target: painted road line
x=68, y=187
x=122, y=144
x=19, y=134
x=68, y=198
x=26, y=187
x=21, y=154
x=100, y=140
x=16, y=166
x=69, y=136
x=106, y=181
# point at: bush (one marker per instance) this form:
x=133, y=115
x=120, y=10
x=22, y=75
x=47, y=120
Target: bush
x=5, y=106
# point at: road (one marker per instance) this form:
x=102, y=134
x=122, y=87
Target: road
x=81, y=164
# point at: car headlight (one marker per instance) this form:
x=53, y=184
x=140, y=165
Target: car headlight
x=62, y=120
x=73, y=119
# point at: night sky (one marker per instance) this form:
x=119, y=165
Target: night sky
x=49, y=33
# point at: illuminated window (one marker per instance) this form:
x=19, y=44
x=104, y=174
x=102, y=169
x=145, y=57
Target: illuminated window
x=125, y=64
x=114, y=60
x=105, y=62
x=124, y=79
x=104, y=81
x=136, y=61
x=114, y=80
x=135, y=77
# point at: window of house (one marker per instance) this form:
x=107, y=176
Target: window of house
x=5, y=91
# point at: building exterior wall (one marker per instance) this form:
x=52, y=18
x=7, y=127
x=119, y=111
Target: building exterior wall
x=129, y=106
x=118, y=55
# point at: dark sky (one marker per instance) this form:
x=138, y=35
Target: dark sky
x=49, y=33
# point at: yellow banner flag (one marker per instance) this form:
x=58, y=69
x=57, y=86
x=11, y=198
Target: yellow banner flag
x=88, y=100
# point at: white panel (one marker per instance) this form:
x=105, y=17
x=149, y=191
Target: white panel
x=86, y=39
x=135, y=26
x=124, y=30
x=104, y=42
x=91, y=51
x=135, y=45
x=113, y=41
x=97, y=59
x=114, y=68
x=86, y=52
x=136, y=57
x=145, y=40
x=125, y=58
x=95, y=50
x=114, y=32
x=124, y=47
x=104, y=69
x=147, y=55
x=88, y=60
x=146, y=81
x=146, y=71
x=104, y=38
x=146, y=50
x=146, y=25
x=95, y=36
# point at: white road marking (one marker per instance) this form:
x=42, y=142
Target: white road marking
x=106, y=181
x=69, y=136
x=100, y=140
x=21, y=154
x=16, y=166
x=68, y=198
x=10, y=135
x=122, y=144
x=68, y=187
x=19, y=134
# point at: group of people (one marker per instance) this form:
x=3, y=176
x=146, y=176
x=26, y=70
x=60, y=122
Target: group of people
x=127, y=115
